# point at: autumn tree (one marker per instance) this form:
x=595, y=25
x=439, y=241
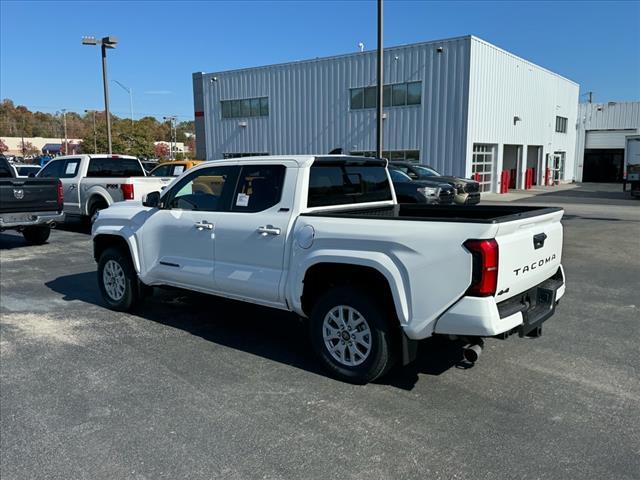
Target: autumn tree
x=161, y=150
x=3, y=146
x=28, y=149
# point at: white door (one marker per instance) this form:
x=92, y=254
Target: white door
x=251, y=237
x=70, y=185
x=178, y=238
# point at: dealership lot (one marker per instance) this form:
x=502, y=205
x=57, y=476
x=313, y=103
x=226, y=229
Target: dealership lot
x=196, y=387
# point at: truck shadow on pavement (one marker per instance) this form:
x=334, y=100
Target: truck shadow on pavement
x=269, y=333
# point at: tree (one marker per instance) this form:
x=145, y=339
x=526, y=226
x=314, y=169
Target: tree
x=28, y=149
x=3, y=146
x=161, y=150
x=191, y=145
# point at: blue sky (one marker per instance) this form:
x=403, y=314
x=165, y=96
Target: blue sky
x=44, y=66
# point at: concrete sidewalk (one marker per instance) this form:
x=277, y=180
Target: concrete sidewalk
x=513, y=195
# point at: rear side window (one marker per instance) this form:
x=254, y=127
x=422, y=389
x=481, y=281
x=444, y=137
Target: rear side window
x=346, y=184
x=114, y=167
x=53, y=169
x=259, y=188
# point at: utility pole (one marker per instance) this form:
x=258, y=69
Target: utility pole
x=95, y=134
x=23, y=149
x=64, y=122
x=380, y=85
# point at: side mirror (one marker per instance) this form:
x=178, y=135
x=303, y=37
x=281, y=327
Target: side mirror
x=151, y=199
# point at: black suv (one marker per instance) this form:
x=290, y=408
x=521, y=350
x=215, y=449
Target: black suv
x=467, y=192
x=420, y=191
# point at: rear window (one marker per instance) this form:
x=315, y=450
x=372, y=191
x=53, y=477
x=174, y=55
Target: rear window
x=114, y=167
x=345, y=184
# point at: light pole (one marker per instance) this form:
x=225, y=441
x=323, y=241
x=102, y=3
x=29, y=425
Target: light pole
x=380, y=85
x=172, y=125
x=106, y=42
x=95, y=134
x=130, y=92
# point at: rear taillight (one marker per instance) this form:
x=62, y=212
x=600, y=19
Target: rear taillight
x=127, y=191
x=60, y=196
x=484, y=280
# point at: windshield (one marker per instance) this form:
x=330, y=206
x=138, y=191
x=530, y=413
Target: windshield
x=398, y=176
x=426, y=171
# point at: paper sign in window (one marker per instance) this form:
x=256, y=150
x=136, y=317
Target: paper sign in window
x=178, y=170
x=71, y=168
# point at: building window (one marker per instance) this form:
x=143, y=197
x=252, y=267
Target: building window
x=243, y=154
x=561, y=125
x=247, y=107
x=482, y=166
x=395, y=95
x=394, y=155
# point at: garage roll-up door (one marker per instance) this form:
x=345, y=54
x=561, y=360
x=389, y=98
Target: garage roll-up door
x=606, y=138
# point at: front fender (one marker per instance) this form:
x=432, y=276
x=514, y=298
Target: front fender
x=127, y=234
x=382, y=263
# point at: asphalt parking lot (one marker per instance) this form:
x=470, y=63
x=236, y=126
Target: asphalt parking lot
x=196, y=387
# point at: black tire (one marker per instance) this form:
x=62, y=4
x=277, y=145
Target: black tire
x=95, y=207
x=131, y=294
x=381, y=356
x=37, y=235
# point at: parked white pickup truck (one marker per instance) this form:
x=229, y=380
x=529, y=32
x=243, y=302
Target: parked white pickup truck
x=93, y=182
x=323, y=236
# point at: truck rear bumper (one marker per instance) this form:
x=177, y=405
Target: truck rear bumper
x=15, y=220
x=483, y=317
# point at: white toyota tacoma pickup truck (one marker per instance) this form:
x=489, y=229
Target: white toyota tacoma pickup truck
x=93, y=182
x=324, y=237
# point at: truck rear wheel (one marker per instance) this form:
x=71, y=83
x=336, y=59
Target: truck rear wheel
x=351, y=335
x=95, y=207
x=37, y=235
x=118, y=280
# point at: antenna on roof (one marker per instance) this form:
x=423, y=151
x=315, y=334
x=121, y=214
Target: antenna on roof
x=361, y=46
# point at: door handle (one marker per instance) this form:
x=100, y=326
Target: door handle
x=72, y=187
x=268, y=230
x=203, y=225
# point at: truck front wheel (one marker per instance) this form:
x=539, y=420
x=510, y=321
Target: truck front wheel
x=118, y=280
x=351, y=335
x=36, y=235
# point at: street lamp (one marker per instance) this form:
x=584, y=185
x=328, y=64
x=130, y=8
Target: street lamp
x=172, y=125
x=130, y=92
x=106, y=42
x=95, y=135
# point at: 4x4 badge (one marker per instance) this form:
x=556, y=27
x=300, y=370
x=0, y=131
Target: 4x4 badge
x=18, y=193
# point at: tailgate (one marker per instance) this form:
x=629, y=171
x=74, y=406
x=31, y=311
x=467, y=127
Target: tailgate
x=28, y=195
x=529, y=253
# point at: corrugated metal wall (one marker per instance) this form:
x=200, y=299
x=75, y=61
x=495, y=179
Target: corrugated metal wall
x=504, y=86
x=309, y=105
x=594, y=119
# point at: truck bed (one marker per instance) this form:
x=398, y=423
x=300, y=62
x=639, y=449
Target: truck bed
x=435, y=213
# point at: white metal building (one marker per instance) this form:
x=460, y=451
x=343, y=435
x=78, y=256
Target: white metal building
x=601, y=137
x=461, y=105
